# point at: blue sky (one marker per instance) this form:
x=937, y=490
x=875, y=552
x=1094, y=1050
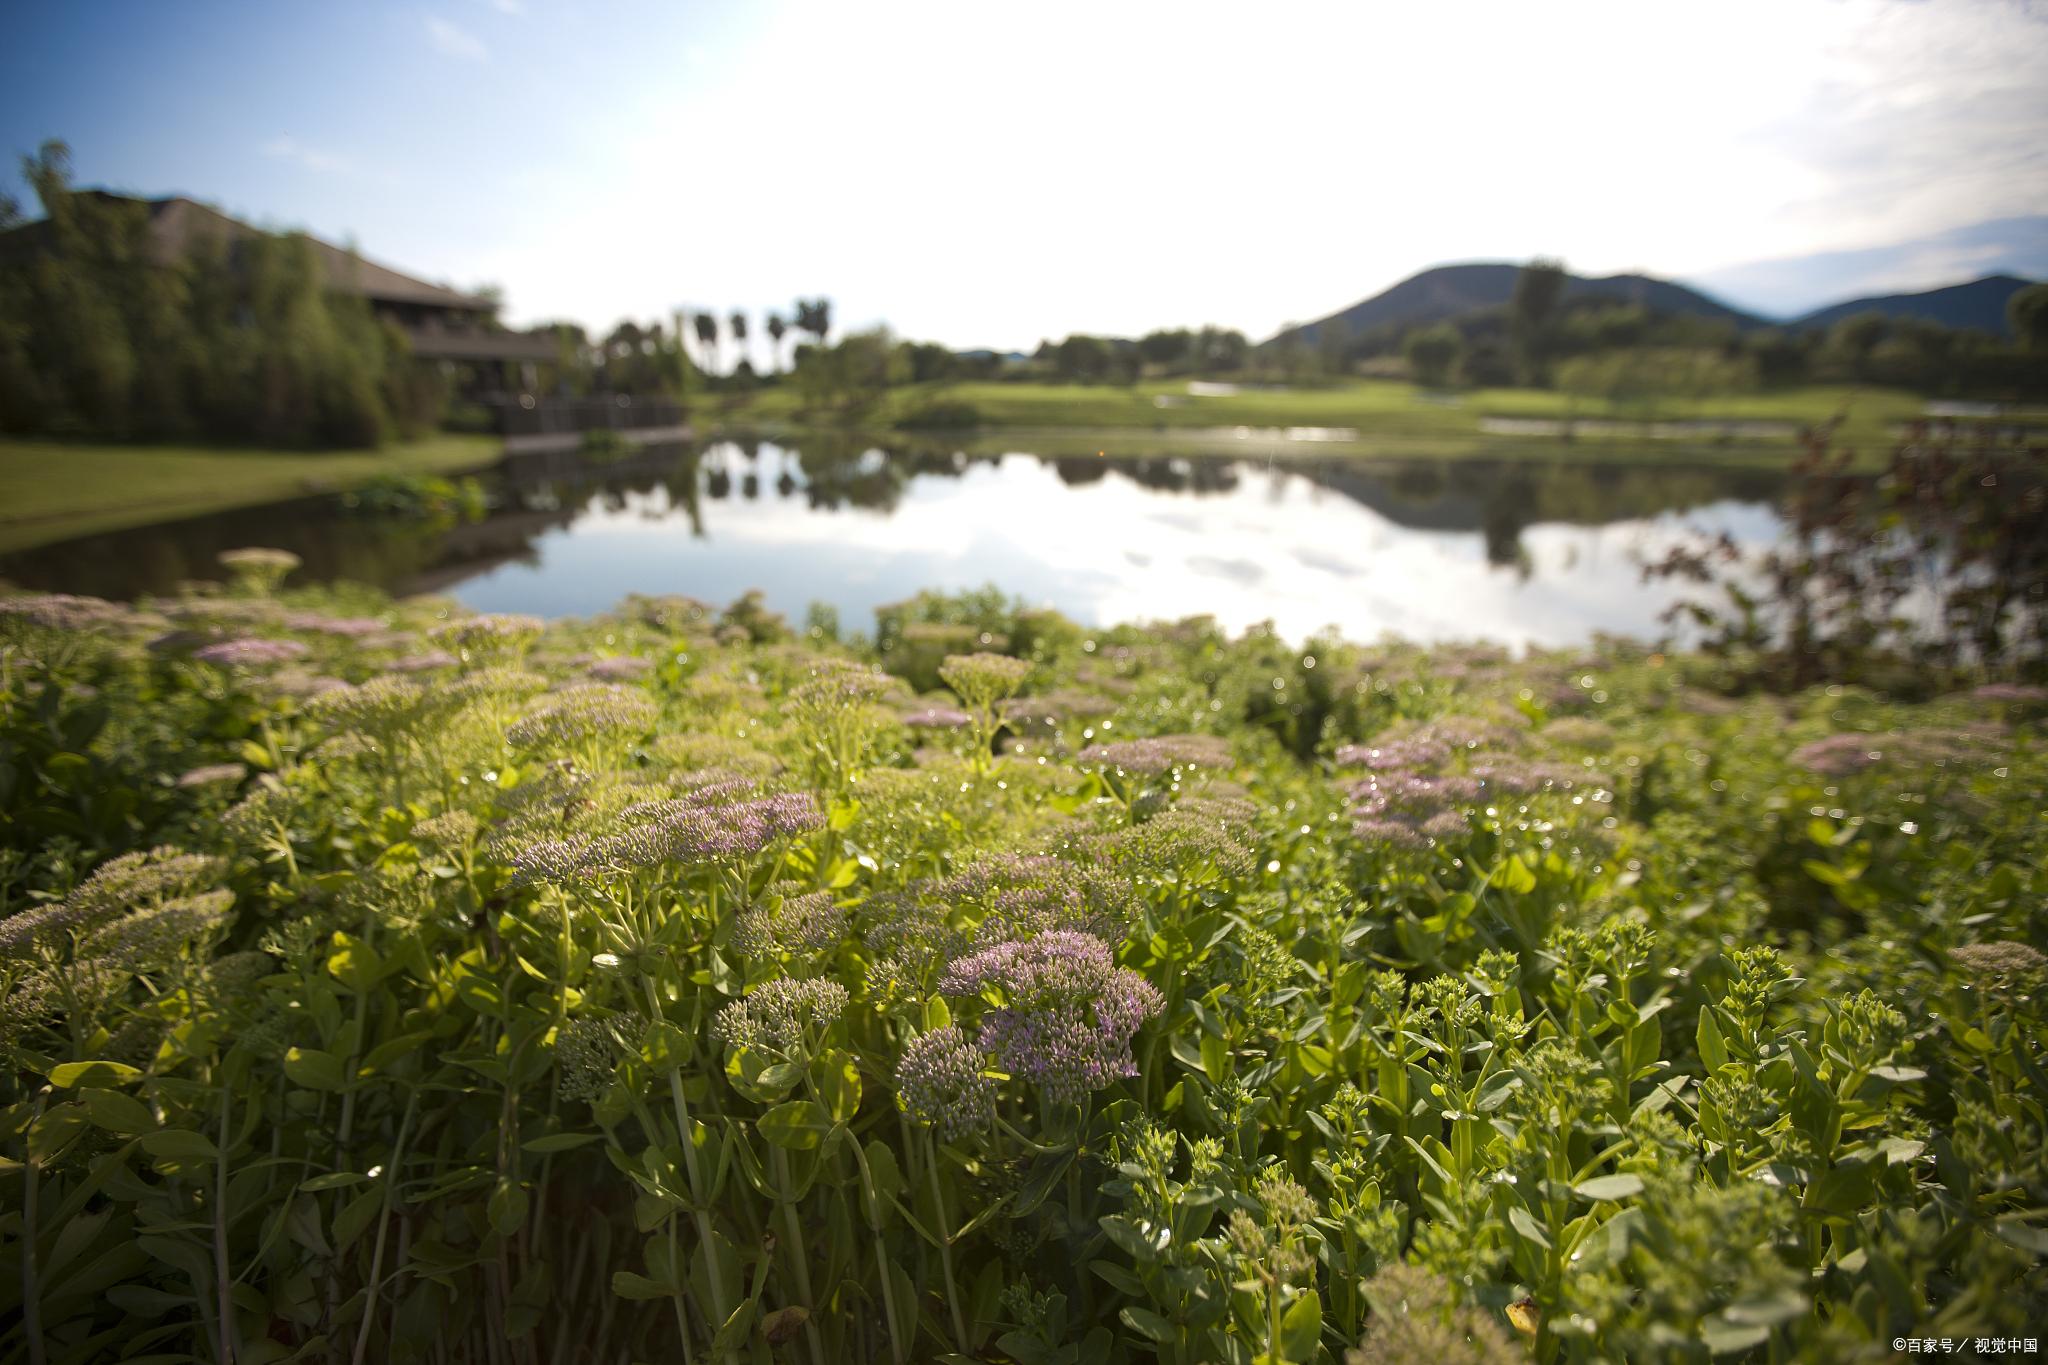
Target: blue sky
x=990, y=175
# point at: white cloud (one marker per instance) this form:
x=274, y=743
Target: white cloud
x=452, y=40
x=287, y=148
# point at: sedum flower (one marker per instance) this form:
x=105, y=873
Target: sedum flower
x=427, y=661
x=1415, y=1318
x=1159, y=754
x=212, y=775
x=250, y=653
x=943, y=1080
x=619, y=668
x=1067, y=1012
x=981, y=680
x=583, y=712
x=781, y=1014
x=489, y=636
x=258, y=568
x=1999, y=960
x=790, y=926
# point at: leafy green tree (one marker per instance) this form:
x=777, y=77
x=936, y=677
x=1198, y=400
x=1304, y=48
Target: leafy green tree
x=1084, y=359
x=706, y=324
x=2026, y=312
x=737, y=326
x=1166, y=349
x=1433, y=354
x=1530, y=310
x=777, y=328
x=815, y=317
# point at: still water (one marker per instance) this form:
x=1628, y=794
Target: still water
x=1520, y=553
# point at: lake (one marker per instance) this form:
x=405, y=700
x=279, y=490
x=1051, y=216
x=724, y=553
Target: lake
x=1523, y=553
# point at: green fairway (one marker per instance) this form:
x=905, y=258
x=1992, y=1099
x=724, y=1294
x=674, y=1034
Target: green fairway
x=1384, y=417
x=52, y=490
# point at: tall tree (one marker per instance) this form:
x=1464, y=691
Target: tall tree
x=707, y=339
x=737, y=326
x=2026, y=312
x=815, y=317
x=1537, y=291
x=776, y=329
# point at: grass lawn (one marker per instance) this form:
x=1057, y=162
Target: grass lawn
x=1389, y=418
x=51, y=490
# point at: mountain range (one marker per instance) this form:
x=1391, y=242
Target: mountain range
x=1445, y=291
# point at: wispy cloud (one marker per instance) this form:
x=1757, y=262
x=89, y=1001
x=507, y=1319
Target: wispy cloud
x=453, y=40
x=287, y=148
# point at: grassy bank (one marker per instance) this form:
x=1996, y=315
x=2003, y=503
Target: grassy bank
x=52, y=490
x=1388, y=418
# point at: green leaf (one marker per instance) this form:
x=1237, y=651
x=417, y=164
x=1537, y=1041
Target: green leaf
x=92, y=1073
x=355, y=1217
x=1301, y=1326
x=508, y=1207
x=627, y=1285
x=118, y=1113
x=334, y=1181
x=836, y=1079
x=798, y=1125
x=315, y=1070
x=1527, y=1225
x=1046, y=1170
x=1713, y=1050
x=1513, y=875
x=1609, y=1188
x=1147, y=1324
x=559, y=1142
x=179, y=1144
x=354, y=963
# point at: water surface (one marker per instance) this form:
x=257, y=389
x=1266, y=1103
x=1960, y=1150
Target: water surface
x=1520, y=553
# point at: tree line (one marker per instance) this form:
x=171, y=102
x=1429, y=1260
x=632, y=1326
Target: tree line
x=99, y=338
x=1618, y=350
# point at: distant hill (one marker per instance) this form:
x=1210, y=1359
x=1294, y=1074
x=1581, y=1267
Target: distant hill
x=1445, y=291
x=1979, y=304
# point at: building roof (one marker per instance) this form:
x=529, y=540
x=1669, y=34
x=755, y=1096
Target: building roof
x=178, y=225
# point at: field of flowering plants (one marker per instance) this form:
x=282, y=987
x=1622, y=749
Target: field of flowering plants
x=388, y=983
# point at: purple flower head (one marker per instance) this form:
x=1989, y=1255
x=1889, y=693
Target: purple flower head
x=424, y=662
x=347, y=628
x=793, y=925
x=582, y=712
x=250, y=653
x=619, y=668
x=778, y=1015
x=942, y=1078
x=2011, y=692
x=213, y=774
x=60, y=611
x=1398, y=833
x=489, y=634
x=1159, y=754
x=1067, y=1011
x=1395, y=755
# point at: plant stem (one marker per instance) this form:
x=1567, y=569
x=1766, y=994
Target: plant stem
x=799, y=1261
x=230, y=1337
x=31, y=1292
x=383, y=1219
x=931, y=1166
x=707, y=1248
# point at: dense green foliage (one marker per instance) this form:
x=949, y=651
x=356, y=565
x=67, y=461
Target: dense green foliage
x=100, y=336
x=385, y=983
